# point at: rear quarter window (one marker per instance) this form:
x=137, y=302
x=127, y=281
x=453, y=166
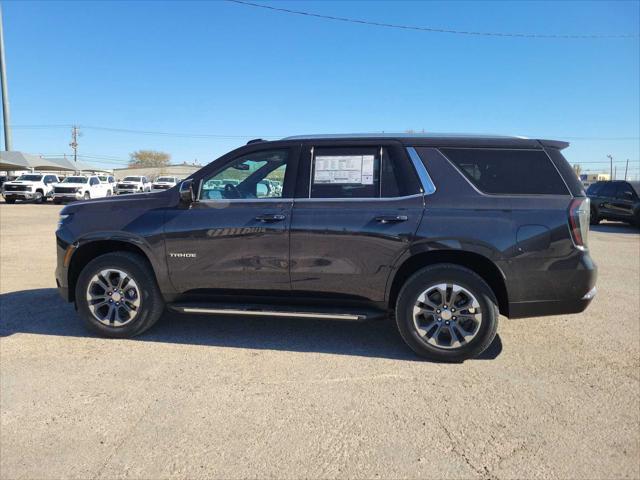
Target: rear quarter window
x=508, y=172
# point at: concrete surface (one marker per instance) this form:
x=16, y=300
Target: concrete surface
x=197, y=397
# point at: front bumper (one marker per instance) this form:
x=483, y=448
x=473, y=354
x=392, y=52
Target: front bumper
x=128, y=191
x=19, y=195
x=64, y=251
x=67, y=196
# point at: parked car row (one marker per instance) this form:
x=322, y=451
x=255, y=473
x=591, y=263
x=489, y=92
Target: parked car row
x=41, y=187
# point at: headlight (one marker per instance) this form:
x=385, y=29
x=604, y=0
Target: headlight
x=78, y=189
x=63, y=218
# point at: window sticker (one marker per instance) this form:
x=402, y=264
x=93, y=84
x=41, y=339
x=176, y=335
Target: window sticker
x=341, y=169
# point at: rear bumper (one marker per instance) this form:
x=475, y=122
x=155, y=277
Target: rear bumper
x=545, y=308
x=568, y=291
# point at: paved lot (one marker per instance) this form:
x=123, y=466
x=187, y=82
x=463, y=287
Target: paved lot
x=556, y=397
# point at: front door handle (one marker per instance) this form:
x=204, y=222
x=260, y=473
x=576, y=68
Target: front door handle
x=392, y=218
x=270, y=218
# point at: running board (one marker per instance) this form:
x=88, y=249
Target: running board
x=263, y=311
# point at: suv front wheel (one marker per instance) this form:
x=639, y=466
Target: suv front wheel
x=447, y=312
x=117, y=295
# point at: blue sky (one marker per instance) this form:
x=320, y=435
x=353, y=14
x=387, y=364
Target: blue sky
x=218, y=68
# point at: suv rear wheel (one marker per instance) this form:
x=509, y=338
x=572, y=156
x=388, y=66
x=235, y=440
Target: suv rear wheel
x=447, y=312
x=117, y=295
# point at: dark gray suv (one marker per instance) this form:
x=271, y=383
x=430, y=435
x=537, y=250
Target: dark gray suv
x=615, y=200
x=441, y=232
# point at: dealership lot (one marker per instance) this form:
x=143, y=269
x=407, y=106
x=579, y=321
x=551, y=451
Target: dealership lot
x=232, y=397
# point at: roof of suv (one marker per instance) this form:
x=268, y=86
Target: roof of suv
x=442, y=139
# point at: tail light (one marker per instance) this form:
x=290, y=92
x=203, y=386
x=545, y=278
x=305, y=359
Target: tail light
x=579, y=216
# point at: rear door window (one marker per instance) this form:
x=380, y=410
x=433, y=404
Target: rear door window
x=508, y=171
x=338, y=172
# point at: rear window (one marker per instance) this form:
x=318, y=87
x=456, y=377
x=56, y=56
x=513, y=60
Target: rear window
x=502, y=171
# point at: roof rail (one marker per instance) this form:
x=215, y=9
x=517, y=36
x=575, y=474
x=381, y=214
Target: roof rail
x=256, y=140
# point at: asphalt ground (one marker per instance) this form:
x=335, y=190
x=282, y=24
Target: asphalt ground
x=226, y=397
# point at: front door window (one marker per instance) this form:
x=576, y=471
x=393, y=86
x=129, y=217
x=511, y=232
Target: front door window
x=253, y=176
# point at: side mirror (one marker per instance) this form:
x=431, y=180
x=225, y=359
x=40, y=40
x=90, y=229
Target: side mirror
x=187, y=195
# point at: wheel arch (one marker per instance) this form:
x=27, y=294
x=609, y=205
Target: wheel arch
x=90, y=250
x=475, y=262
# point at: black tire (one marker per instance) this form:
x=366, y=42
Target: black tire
x=39, y=196
x=55, y=201
x=10, y=201
x=108, y=193
x=447, y=273
x=151, y=301
x=594, y=219
x=87, y=196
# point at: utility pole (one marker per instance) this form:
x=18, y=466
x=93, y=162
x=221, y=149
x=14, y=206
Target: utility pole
x=75, y=132
x=614, y=173
x=610, y=167
x=5, y=92
x=626, y=169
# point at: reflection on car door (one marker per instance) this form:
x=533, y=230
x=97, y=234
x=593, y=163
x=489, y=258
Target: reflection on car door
x=237, y=242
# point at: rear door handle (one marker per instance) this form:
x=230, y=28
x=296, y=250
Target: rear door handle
x=268, y=218
x=392, y=218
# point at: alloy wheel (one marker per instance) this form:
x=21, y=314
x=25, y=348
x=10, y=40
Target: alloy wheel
x=113, y=297
x=447, y=316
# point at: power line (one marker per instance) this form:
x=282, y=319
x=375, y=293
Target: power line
x=432, y=29
x=218, y=135
x=147, y=132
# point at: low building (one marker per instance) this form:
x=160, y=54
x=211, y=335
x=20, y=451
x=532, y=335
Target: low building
x=180, y=171
x=589, y=178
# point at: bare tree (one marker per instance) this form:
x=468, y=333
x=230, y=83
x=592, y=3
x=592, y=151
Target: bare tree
x=149, y=158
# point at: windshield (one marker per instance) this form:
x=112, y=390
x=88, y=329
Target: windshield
x=131, y=179
x=30, y=178
x=166, y=179
x=75, y=180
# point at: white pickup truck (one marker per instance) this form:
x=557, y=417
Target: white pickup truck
x=133, y=185
x=30, y=186
x=81, y=187
x=164, y=183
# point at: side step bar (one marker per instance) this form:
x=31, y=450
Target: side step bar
x=264, y=311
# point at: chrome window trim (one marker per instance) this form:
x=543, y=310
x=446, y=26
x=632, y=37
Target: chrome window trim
x=357, y=199
x=428, y=187
x=247, y=200
x=307, y=200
